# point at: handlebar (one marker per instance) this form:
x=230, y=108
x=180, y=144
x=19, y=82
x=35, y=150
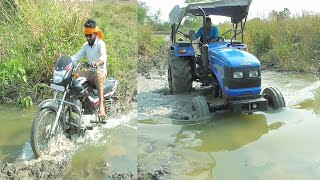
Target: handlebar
x=84, y=64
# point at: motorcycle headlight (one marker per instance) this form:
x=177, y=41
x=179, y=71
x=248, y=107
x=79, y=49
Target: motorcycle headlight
x=238, y=75
x=58, y=76
x=253, y=74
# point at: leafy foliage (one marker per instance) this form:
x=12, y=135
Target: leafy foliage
x=43, y=29
x=286, y=43
x=13, y=79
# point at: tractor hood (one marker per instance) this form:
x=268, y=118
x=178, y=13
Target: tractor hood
x=235, y=9
x=235, y=57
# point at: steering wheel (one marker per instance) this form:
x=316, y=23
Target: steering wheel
x=182, y=33
x=220, y=39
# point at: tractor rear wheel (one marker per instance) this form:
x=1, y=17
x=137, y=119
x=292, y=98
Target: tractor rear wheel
x=179, y=75
x=274, y=97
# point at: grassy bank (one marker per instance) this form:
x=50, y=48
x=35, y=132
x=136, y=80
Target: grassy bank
x=34, y=33
x=152, y=47
x=291, y=44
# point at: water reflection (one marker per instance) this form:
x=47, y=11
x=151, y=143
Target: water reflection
x=197, y=144
x=229, y=133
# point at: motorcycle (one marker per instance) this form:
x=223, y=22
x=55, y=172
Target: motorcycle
x=74, y=99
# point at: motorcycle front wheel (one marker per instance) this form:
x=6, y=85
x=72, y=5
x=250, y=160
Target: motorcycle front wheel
x=40, y=131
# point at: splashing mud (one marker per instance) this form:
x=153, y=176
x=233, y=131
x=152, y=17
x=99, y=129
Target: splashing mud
x=61, y=161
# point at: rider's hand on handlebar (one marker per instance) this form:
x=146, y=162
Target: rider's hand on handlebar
x=94, y=64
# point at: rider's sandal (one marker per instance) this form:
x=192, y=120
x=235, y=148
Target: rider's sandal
x=101, y=117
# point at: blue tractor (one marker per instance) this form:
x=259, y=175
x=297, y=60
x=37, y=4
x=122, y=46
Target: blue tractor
x=233, y=74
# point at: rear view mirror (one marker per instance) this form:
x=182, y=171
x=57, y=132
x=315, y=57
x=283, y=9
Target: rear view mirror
x=192, y=34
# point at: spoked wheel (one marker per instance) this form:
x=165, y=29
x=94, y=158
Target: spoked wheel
x=40, y=132
x=68, y=128
x=200, y=106
x=274, y=97
x=111, y=108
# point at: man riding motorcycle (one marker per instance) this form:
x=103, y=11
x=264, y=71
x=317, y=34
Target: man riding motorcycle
x=95, y=50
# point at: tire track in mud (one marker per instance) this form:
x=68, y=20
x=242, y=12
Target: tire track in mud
x=157, y=106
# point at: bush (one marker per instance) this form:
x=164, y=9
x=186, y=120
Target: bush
x=290, y=44
x=43, y=29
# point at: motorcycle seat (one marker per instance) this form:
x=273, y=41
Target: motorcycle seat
x=109, y=87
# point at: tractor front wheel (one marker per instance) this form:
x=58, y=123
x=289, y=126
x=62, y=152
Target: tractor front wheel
x=274, y=97
x=200, y=106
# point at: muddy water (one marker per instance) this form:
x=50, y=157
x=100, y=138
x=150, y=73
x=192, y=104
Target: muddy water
x=106, y=151
x=114, y=152
x=14, y=131
x=282, y=144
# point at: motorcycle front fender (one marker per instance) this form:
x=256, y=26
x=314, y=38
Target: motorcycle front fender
x=49, y=103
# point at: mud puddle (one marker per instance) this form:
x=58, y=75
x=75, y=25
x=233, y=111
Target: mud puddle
x=275, y=145
x=106, y=152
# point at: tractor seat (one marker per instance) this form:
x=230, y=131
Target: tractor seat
x=184, y=43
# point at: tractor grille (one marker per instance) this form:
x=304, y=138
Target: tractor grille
x=245, y=82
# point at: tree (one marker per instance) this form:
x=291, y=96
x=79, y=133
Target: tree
x=156, y=17
x=142, y=12
x=280, y=15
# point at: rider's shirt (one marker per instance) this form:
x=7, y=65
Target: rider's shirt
x=95, y=53
x=212, y=34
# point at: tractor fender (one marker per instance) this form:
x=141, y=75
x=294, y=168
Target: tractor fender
x=183, y=51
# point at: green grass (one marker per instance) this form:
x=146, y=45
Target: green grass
x=119, y=24
x=34, y=33
x=288, y=45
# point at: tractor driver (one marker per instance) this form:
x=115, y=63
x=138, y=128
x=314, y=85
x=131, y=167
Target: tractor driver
x=95, y=50
x=212, y=32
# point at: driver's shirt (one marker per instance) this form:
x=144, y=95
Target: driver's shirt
x=95, y=53
x=212, y=34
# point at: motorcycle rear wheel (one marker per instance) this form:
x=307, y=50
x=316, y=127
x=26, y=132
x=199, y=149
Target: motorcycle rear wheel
x=110, y=108
x=40, y=131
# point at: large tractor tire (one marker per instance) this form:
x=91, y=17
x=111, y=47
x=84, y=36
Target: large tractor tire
x=179, y=75
x=200, y=106
x=274, y=97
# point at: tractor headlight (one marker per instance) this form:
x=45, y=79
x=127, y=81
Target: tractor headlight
x=253, y=74
x=238, y=75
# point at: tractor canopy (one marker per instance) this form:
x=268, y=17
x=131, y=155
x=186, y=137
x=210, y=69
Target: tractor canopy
x=237, y=10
